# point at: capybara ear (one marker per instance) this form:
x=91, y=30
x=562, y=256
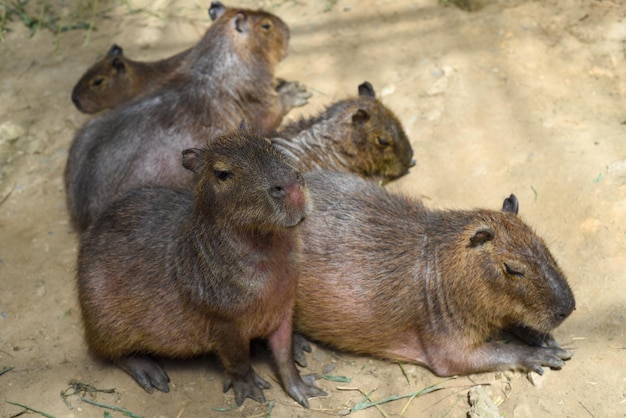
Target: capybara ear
x=193, y=159
x=241, y=22
x=481, y=236
x=360, y=116
x=118, y=64
x=242, y=125
x=510, y=204
x=216, y=10
x=115, y=50
x=366, y=89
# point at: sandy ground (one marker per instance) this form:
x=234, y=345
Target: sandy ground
x=523, y=96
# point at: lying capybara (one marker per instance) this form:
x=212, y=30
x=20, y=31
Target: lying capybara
x=385, y=276
x=226, y=78
x=175, y=273
x=358, y=135
x=117, y=79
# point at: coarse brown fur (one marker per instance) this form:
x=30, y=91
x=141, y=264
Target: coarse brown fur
x=173, y=273
x=384, y=275
x=117, y=79
x=357, y=135
x=226, y=78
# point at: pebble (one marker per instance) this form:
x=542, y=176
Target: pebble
x=11, y=132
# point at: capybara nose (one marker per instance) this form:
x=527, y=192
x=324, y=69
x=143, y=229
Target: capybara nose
x=75, y=99
x=277, y=192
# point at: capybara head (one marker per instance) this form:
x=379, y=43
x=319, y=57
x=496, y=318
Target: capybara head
x=380, y=144
x=257, y=33
x=105, y=85
x=520, y=282
x=243, y=177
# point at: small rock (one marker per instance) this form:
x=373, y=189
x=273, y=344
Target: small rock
x=481, y=405
x=387, y=90
x=10, y=132
x=590, y=225
x=535, y=379
x=441, y=85
x=328, y=368
x=618, y=167
x=41, y=290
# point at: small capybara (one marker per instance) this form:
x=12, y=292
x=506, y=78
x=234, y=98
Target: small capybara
x=175, y=273
x=385, y=276
x=117, y=79
x=226, y=78
x=358, y=135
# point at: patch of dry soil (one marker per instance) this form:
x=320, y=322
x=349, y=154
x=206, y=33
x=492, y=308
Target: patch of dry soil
x=522, y=96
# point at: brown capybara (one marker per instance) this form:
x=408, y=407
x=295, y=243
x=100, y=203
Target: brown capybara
x=117, y=79
x=226, y=78
x=175, y=273
x=385, y=276
x=358, y=135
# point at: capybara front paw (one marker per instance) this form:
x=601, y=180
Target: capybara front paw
x=250, y=386
x=300, y=345
x=293, y=94
x=534, y=338
x=552, y=357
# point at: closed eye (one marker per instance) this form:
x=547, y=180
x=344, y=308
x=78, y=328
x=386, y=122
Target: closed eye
x=223, y=175
x=98, y=81
x=381, y=141
x=512, y=271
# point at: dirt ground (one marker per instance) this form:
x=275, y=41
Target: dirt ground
x=526, y=97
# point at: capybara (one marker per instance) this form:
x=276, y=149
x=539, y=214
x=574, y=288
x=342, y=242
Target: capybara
x=385, y=276
x=226, y=78
x=175, y=273
x=117, y=79
x=358, y=135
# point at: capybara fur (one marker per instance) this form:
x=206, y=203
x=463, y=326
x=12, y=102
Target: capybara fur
x=385, y=276
x=226, y=78
x=117, y=79
x=357, y=135
x=175, y=273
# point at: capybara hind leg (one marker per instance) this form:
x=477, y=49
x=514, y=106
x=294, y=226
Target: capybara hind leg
x=146, y=371
x=300, y=345
x=281, y=344
x=249, y=385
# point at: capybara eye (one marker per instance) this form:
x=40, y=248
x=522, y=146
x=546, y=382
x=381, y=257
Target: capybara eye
x=266, y=25
x=382, y=142
x=223, y=175
x=511, y=271
x=98, y=81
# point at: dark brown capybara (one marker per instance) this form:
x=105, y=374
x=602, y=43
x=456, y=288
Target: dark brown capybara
x=358, y=135
x=175, y=273
x=385, y=276
x=117, y=79
x=226, y=78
